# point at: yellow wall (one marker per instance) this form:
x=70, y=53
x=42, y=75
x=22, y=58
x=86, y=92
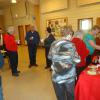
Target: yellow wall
x=2, y=21
x=83, y=2
x=37, y=16
x=73, y=12
x=53, y=5
x=21, y=14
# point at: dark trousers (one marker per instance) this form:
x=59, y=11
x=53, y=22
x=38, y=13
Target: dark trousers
x=79, y=70
x=32, y=53
x=64, y=91
x=1, y=94
x=13, y=58
x=48, y=61
x=88, y=60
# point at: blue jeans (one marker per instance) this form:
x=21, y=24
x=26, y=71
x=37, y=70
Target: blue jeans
x=1, y=95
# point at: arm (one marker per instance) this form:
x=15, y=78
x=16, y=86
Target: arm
x=94, y=45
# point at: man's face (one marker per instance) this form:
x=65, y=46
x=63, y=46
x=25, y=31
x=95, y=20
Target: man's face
x=32, y=28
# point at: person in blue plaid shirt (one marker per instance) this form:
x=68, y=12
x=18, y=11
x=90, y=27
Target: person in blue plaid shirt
x=64, y=59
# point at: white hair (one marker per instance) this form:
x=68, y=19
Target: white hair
x=10, y=29
x=79, y=34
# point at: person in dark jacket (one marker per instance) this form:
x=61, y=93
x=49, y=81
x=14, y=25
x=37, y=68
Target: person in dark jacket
x=47, y=44
x=1, y=65
x=33, y=39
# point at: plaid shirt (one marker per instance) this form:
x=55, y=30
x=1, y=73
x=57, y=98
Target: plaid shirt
x=64, y=59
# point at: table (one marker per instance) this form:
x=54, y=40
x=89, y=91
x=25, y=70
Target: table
x=88, y=87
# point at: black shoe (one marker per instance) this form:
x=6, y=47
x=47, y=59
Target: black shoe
x=18, y=72
x=50, y=69
x=47, y=67
x=15, y=74
x=30, y=66
x=35, y=65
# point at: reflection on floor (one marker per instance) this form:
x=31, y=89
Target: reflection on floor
x=32, y=84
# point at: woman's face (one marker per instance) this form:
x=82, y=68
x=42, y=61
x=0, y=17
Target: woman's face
x=96, y=31
x=0, y=31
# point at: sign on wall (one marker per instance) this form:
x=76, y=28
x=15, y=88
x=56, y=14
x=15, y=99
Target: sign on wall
x=56, y=25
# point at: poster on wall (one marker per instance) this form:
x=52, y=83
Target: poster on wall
x=57, y=25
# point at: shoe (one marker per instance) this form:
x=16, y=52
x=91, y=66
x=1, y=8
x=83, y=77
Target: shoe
x=47, y=67
x=50, y=69
x=18, y=72
x=35, y=65
x=30, y=66
x=15, y=74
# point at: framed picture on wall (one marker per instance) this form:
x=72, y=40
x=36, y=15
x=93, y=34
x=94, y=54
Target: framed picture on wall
x=56, y=25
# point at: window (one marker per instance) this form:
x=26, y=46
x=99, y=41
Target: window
x=85, y=24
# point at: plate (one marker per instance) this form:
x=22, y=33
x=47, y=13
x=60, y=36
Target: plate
x=92, y=66
x=89, y=72
x=3, y=51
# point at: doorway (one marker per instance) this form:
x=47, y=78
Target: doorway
x=21, y=34
x=27, y=28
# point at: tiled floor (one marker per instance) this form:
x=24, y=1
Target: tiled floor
x=32, y=84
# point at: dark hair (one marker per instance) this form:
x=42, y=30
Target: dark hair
x=48, y=29
x=96, y=27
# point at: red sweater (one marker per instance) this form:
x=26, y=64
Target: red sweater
x=9, y=42
x=82, y=50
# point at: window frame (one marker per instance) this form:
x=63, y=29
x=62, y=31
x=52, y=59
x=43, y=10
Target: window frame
x=79, y=28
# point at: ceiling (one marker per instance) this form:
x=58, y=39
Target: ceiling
x=4, y=3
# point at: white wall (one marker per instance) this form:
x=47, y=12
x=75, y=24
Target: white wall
x=74, y=12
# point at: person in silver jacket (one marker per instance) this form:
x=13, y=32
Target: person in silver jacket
x=64, y=59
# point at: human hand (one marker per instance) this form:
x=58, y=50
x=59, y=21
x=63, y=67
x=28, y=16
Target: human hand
x=31, y=38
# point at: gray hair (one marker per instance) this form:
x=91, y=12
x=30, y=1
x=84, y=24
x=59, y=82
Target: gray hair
x=79, y=34
x=10, y=29
x=66, y=30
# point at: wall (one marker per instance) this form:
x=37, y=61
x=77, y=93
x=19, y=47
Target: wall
x=53, y=5
x=73, y=12
x=84, y=2
x=37, y=16
x=2, y=21
x=19, y=14
x=22, y=13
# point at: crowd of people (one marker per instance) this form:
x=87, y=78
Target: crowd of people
x=67, y=57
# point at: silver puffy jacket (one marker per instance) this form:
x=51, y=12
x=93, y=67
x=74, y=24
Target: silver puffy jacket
x=64, y=59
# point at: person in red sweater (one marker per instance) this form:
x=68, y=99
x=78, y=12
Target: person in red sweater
x=82, y=51
x=11, y=47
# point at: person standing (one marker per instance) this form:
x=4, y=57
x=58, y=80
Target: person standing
x=90, y=42
x=47, y=44
x=64, y=59
x=11, y=47
x=1, y=39
x=1, y=65
x=33, y=39
x=82, y=51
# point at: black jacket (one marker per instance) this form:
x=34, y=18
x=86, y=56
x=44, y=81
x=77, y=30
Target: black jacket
x=48, y=41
